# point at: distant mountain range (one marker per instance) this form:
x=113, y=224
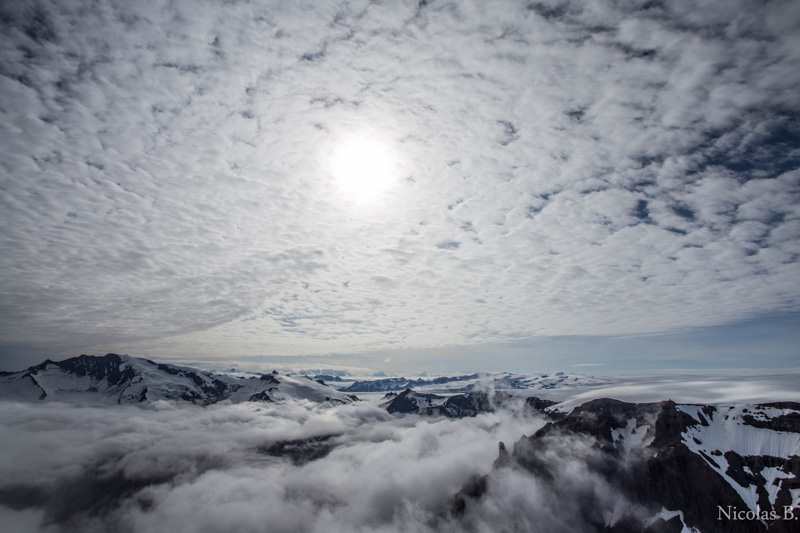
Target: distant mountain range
x=401, y=383
x=123, y=379
x=474, y=382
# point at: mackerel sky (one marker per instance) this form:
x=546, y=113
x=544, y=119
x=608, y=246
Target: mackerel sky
x=603, y=168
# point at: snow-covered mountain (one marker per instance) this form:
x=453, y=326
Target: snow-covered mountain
x=505, y=381
x=454, y=406
x=123, y=379
x=457, y=405
x=401, y=383
x=684, y=468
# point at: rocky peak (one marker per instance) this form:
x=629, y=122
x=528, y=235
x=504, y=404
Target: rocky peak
x=679, y=463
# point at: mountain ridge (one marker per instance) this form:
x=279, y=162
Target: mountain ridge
x=114, y=378
x=685, y=465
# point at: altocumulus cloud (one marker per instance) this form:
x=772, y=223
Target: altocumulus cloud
x=564, y=168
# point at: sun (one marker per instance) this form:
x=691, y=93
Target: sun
x=364, y=167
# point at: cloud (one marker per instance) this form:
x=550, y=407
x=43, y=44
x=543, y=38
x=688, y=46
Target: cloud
x=171, y=468
x=559, y=489
x=741, y=387
x=565, y=168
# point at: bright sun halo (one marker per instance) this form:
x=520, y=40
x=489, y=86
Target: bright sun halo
x=363, y=167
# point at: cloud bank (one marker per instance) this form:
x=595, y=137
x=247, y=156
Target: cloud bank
x=564, y=168
x=192, y=469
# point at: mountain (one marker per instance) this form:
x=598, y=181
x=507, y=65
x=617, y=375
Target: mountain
x=122, y=379
x=401, y=383
x=456, y=405
x=475, y=382
x=685, y=468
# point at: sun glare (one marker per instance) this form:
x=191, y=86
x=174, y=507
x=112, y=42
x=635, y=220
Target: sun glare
x=364, y=167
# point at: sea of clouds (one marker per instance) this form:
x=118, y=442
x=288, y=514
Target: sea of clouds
x=184, y=468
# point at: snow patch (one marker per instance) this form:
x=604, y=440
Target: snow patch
x=727, y=431
x=668, y=515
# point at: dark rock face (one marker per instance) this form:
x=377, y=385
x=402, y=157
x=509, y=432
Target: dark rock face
x=475, y=488
x=301, y=451
x=469, y=404
x=679, y=479
x=786, y=422
x=410, y=402
x=503, y=457
x=262, y=396
x=107, y=367
x=598, y=418
x=652, y=455
x=538, y=404
x=212, y=392
x=456, y=406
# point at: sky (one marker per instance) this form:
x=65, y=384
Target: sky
x=199, y=179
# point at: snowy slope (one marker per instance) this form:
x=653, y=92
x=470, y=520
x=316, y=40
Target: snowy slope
x=122, y=379
x=727, y=440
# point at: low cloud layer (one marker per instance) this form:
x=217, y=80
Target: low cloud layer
x=189, y=469
x=195, y=469
x=733, y=387
x=562, y=168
